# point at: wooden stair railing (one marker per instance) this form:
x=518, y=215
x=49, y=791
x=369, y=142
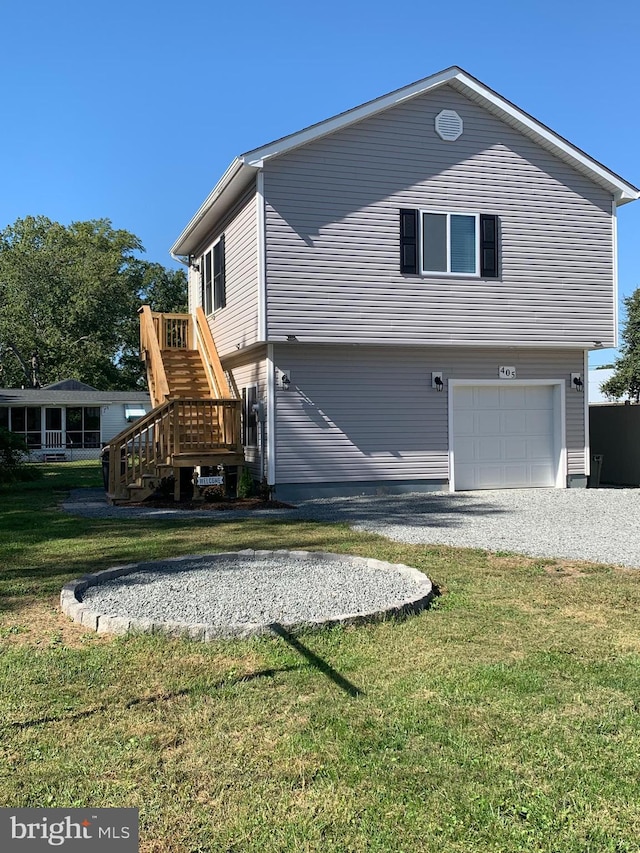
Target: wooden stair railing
x=150, y=352
x=178, y=429
x=210, y=358
x=184, y=428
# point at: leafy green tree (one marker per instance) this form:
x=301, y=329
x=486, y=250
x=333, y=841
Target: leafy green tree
x=69, y=297
x=625, y=382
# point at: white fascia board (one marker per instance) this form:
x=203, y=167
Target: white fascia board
x=622, y=191
x=324, y=128
x=233, y=180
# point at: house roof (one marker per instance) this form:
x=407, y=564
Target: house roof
x=60, y=397
x=243, y=169
x=69, y=385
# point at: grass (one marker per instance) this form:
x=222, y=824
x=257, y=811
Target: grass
x=505, y=718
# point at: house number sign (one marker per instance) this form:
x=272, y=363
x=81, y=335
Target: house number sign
x=507, y=372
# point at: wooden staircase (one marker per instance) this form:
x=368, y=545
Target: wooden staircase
x=195, y=420
x=186, y=375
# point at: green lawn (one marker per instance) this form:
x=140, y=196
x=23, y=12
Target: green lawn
x=505, y=718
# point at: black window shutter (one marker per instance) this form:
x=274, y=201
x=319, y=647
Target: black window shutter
x=409, y=241
x=219, y=289
x=488, y=246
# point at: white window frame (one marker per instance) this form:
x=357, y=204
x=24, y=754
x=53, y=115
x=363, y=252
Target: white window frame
x=201, y=282
x=448, y=273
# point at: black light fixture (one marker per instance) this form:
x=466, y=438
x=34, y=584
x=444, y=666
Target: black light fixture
x=436, y=381
x=285, y=380
x=576, y=381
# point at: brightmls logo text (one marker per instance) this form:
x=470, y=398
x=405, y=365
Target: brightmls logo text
x=32, y=830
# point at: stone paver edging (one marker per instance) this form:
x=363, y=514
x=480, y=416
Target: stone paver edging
x=71, y=599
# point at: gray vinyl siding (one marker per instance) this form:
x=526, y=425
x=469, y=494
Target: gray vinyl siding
x=332, y=236
x=370, y=413
x=236, y=325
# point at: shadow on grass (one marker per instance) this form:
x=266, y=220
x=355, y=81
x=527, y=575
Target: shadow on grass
x=316, y=661
x=143, y=701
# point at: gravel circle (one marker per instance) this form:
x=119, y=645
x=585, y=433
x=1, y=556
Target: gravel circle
x=245, y=592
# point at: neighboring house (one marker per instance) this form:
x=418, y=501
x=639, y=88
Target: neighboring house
x=68, y=420
x=404, y=296
x=596, y=379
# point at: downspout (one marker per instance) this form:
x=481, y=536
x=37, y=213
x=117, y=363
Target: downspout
x=263, y=330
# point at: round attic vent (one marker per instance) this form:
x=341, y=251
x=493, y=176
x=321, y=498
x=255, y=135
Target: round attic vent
x=449, y=125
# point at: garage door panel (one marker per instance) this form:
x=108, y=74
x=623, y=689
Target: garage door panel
x=513, y=423
x=488, y=449
x=465, y=423
x=487, y=423
x=538, y=448
x=538, y=396
x=515, y=448
x=511, y=398
x=503, y=437
x=466, y=448
x=540, y=475
x=465, y=398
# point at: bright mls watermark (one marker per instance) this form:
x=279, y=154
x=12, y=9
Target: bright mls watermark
x=102, y=830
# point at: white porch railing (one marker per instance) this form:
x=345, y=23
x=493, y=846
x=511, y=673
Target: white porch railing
x=53, y=439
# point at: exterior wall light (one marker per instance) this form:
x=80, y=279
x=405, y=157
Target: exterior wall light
x=576, y=382
x=285, y=379
x=436, y=381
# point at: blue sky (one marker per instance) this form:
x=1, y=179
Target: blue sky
x=132, y=110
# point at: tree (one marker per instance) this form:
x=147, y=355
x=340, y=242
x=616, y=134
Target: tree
x=626, y=380
x=69, y=297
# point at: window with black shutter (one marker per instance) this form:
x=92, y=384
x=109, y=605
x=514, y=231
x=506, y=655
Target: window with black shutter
x=450, y=243
x=205, y=282
x=409, y=241
x=488, y=246
x=219, y=292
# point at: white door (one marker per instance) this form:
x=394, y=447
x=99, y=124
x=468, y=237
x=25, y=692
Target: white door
x=503, y=436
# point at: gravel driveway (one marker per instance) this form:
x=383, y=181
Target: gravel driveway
x=598, y=525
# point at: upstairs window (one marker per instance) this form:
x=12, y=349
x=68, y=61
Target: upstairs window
x=205, y=278
x=212, y=278
x=450, y=243
x=219, y=291
x=446, y=243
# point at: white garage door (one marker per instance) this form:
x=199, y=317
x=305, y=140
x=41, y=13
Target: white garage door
x=503, y=436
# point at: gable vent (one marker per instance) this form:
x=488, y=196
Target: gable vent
x=449, y=125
